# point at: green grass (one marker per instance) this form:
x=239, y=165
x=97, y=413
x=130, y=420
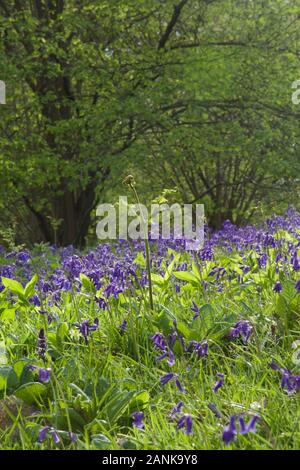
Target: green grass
x=95, y=387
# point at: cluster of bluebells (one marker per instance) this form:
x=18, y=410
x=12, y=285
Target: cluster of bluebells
x=160, y=344
x=242, y=329
x=289, y=381
x=49, y=430
x=231, y=430
x=85, y=328
x=184, y=420
x=112, y=270
x=199, y=348
x=164, y=379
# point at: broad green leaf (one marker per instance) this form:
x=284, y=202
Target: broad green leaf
x=31, y=393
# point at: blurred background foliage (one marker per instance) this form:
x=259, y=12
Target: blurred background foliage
x=192, y=95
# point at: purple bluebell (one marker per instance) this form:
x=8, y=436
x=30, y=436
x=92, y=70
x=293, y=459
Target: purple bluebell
x=295, y=261
x=297, y=286
x=35, y=300
x=229, y=432
x=196, y=310
x=164, y=379
x=176, y=409
x=215, y=410
x=289, y=381
x=159, y=341
x=179, y=386
x=72, y=436
x=185, y=423
x=277, y=287
x=41, y=344
x=262, y=260
x=171, y=360
x=55, y=437
x=23, y=257
x=250, y=427
x=172, y=338
x=138, y=417
x=200, y=348
x=242, y=328
x=219, y=382
x=43, y=434
x=123, y=327
x=85, y=328
x=101, y=302
x=44, y=374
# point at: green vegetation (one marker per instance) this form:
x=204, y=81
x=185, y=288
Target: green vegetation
x=188, y=94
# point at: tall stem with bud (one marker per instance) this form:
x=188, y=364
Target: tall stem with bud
x=129, y=180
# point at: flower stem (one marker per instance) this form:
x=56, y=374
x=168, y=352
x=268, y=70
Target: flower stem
x=146, y=244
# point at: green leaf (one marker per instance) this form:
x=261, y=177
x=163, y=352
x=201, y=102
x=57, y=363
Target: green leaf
x=29, y=288
x=31, y=392
x=3, y=357
x=139, y=402
x=61, y=333
x=8, y=378
x=87, y=284
x=61, y=421
x=187, y=276
x=157, y=279
x=4, y=373
x=8, y=314
x=101, y=442
x=140, y=260
x=20, y=364
x=13, y=285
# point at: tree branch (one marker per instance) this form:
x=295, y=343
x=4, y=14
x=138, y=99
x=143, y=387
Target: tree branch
x=171, y=24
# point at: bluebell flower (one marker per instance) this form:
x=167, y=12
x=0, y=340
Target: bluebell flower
x=164, y=379
x=171, y=360
x=85, y=328
x=219, y=382
x=23, y=257
x=200, y=348
x=185, y=423
x=195, y=309
x=176, y=409
x=167, y=377
x=250, y=427
x=123, y=327
x=242, y=328
x=41, y=344
x=295, y=261
x=55, y=437
x=44, y=374
x=179, y=386
x=288, y=380
x=229, y=432
x=277, y=287
x=101, y=302
x=159, y=341
x=35, y=300
x=172, y=338
x=72, y=436
x=138, y=417
x=43, y=434
x=215, y=410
